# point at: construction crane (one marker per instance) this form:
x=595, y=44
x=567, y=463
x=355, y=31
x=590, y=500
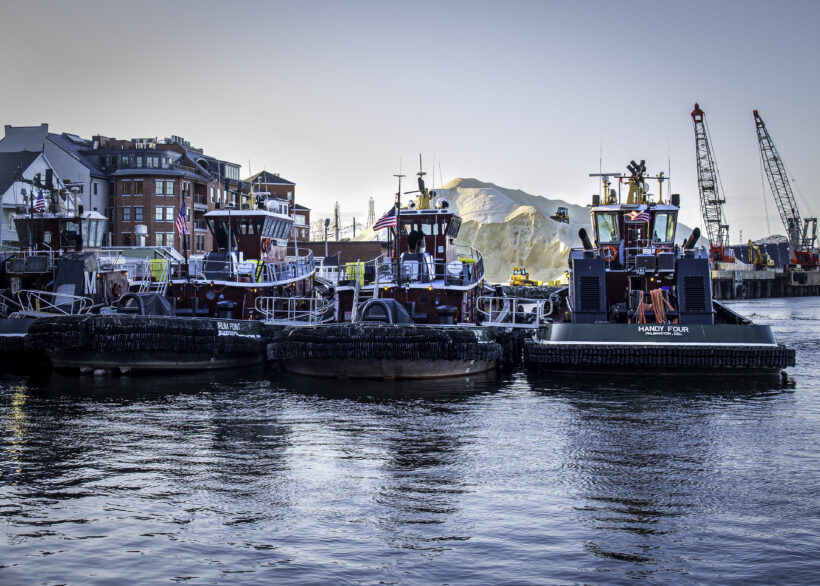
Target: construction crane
x=802, y=232
x=711, y=204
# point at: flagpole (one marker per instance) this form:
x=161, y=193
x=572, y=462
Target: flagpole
x=397, y=243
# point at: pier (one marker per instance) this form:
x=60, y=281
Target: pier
x=751, y=284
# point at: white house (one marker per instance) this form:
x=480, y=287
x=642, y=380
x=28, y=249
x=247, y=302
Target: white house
x=16, y=194
x=66, y=153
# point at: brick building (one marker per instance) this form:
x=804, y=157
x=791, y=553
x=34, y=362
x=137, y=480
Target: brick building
x=149, y=180
x=273, y=187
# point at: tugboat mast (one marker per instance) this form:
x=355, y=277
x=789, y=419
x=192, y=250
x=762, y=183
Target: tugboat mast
x=396, y=244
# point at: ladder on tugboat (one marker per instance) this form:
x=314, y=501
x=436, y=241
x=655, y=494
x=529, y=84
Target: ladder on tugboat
x=357, y=290
x=160, y=285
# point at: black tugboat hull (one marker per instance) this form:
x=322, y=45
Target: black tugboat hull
x=147, y=343
x=13, y=353
x=384, y=351
x=657, y=348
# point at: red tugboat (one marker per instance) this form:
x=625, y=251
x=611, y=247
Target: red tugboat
x=248, y=262
x=637, y=301
x=207, y=318
x=409, y=314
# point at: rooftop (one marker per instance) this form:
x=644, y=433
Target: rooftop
x=268, y=178
x=12, y=165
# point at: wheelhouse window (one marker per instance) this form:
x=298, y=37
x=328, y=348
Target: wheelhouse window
x=664, y=229
x=607, y=224
x=453, y=227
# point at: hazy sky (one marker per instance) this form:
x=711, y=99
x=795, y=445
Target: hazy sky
x=333, y=95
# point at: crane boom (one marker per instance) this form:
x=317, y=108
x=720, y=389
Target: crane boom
x=711, y=204
x=802, y=233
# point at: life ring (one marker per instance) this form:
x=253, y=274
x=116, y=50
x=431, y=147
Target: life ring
x=661, y=249
x=613, y=253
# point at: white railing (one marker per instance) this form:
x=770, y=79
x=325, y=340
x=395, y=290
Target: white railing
x=45, y=303
x=294, y=310
x=233, y=270
x=467, y=271
x=513, y=312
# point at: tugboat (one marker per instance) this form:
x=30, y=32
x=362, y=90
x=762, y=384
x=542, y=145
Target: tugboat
x=207, y=319
x=407, y=314
x=638, y=301
x=60, y=269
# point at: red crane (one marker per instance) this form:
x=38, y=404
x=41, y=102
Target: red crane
x=802, y=232
x=711, y=204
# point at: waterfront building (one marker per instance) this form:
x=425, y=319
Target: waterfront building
x=149, y=180
x=17, y=194
x=65, y=154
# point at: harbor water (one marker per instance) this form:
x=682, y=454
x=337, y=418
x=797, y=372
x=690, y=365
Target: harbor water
x=255, y=477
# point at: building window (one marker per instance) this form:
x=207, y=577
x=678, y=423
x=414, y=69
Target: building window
x=137, y=186
x=169, y=214
x=139, y=162
x=188, y=215
x=186, y=189
x=95, y=188
x=138, y=213
x=159, y=213
x=212, y=195
x=169, y=188
x=126, y=239
x=165, y=238
x=290, y=196
x=159, y=188
x=126, y=214
x=126, y=187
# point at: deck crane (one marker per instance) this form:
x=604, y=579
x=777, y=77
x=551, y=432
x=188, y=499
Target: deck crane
x=711, y=204
x=802, y=232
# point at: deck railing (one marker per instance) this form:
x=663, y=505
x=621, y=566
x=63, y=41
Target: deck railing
x=252, y=271
x=466, y=271
x=294, y=310
x=513, y=312
x=35, y=303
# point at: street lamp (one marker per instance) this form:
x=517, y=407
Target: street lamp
x=327, y=223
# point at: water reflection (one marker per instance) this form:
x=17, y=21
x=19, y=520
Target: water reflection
x=645, y=457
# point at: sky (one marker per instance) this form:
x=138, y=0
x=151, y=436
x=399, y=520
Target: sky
x=339, y=96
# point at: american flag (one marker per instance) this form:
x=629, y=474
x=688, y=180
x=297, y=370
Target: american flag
x=639, y=215
x=388, y=220
x=181, y=224
x=40, y=203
